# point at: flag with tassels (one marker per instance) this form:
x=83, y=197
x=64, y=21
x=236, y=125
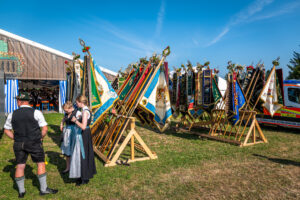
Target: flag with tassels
x=238, y=98
x=270, y=94
x=215, y=90
x=103, y=95
x=157, y=99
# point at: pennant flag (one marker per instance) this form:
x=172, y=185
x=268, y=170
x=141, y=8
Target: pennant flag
x=199, y=89
x=173, y=86
x=178, y=91
x=215, y=90
x=183, y=101
x=103, y=95
x=190, y=89
x=157, y=99
x=128, y=85
x=270, y=95
x=195, y=113
x=206, y=87
x=238, y=98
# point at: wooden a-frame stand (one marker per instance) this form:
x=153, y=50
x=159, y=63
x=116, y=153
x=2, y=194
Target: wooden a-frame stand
x=142, y=147
x=238, y=135
x=224, y=130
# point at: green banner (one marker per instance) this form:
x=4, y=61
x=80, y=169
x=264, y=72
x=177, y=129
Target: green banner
x=128, y=86
x=216, y=92
x=95, y=90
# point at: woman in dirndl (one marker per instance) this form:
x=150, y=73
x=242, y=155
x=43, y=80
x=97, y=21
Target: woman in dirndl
x=67, y=131
x=82, y=164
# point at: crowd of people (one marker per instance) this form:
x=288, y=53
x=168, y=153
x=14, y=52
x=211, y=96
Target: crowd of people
x=27, y=127
x=43, y=94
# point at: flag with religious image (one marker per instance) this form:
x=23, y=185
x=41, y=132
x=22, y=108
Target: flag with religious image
x=270, y=94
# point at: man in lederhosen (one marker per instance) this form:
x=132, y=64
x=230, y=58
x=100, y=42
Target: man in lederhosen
x=29, y=127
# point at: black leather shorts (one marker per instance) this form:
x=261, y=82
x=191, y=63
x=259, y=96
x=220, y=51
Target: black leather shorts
x=34, y=148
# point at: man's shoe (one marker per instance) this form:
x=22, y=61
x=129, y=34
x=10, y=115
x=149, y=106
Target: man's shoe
x=21, y=195
x=48, y=191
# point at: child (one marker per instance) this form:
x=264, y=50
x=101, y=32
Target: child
x=68, y=131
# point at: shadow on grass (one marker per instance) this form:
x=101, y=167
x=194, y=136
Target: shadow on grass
x=169, y=131
x=56, y=136
x=280, y=129
x=279, y=160
x=10, y=168
x=56, y=159
x=1, y=133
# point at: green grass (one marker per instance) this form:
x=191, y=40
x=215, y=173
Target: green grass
x=187, y=168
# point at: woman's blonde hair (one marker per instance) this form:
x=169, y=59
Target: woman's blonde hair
x=68, y=105
x=82, y=99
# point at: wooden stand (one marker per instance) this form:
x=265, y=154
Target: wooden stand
x=222, y=130
x=131, y=136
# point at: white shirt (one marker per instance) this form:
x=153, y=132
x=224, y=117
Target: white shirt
x=38, y=116
x=85, y=108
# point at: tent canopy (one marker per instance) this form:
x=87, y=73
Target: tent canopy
x=39, y=62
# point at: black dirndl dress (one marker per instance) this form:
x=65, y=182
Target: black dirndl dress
x=88, y=167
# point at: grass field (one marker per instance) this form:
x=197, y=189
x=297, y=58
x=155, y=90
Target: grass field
x=187, y=168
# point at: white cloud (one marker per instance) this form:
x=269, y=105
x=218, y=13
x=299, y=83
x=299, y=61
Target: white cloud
x=251, y=10
x=127, y=41
x=242, y=17
x=288, y=8
x=216, y=39
x=160, y=19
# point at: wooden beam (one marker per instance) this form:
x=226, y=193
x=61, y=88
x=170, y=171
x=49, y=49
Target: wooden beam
x=122, y=147
x=260, y=131
x=142, y=143
x=249, y=132
x=101, y=155
x=220, y=139
x=132, y=147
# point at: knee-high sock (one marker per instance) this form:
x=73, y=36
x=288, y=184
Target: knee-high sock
x=20, y=183
x=43, y=182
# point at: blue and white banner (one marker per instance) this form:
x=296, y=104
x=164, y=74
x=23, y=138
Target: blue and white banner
x=103, y=93
x=157, y=100
x=238, y=99
x=11, y=89
x=62, y=94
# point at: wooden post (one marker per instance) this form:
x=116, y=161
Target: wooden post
x=132, y=147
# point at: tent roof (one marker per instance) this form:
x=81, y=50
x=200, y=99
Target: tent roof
x=35, y=44
x=43, y=67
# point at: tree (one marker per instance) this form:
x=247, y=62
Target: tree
x=294, y=67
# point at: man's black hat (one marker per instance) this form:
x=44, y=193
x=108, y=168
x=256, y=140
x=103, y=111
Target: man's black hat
x=23, y=96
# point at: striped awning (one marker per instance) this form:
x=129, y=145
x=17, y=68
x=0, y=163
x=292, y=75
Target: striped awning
x=11, y=89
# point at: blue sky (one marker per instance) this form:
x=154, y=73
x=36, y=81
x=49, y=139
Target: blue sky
x=120, y=32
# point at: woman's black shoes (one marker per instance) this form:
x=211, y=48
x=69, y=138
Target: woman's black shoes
x=82, y=182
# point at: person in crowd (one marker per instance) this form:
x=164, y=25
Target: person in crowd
x=34, y=97
x=82, y=160
x=27, y=127
x=67, y=131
